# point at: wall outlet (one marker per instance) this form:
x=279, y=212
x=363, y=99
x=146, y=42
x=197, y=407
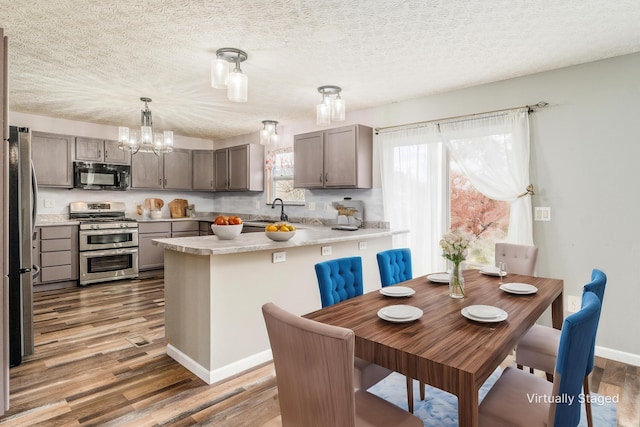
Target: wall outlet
x=257, y=205
x=279, y=257
x=326, y=250
x=312, y=206
x=49, y=203
x=362, y=245
x=328, y=207
x=573, y=303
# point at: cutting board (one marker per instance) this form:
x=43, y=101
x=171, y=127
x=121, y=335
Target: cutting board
x=178, y=208
x=153, y=204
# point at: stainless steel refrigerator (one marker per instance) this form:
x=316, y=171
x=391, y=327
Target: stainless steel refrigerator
x=22, y=187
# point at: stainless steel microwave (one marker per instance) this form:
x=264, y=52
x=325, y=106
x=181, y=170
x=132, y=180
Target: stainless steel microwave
x=101, y=176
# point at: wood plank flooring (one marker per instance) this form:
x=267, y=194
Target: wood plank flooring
x=100, y=360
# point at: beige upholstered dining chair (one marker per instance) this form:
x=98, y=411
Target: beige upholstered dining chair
x=520, y=259
x=314, y=374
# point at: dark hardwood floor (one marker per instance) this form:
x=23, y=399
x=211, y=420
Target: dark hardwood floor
x=100, y=360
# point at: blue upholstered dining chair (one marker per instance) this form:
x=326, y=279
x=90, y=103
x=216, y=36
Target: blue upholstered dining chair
x=509, y=400
x=394, y=266
x=538, y=348
x=338, y=280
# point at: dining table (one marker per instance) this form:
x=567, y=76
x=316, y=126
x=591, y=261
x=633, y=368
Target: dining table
x=442, y=347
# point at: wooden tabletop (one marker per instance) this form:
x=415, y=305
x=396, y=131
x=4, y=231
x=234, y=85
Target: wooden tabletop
x=443, y=348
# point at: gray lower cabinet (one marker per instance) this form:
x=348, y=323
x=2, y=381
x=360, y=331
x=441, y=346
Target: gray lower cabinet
x=334, y=158
x=151, y=257
x=102, y=151
x=56, y=251
x=167, y=171
x=205, y=228
x=52, y=156
x=203, y=178
x=239, y=168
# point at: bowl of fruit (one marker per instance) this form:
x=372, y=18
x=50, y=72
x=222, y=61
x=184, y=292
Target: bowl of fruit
x=227, y=227
x=280, y=231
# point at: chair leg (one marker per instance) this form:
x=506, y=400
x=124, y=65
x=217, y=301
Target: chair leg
x=519, y=367
x=549, y=377
x=410, y=394
x=421, y=390
x=587, y=403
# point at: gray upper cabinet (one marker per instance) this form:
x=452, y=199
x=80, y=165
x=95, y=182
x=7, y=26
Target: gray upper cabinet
x=168, y=171
x=334, y=158
x=100, y=150
x=146, y=171
x=177, y=170
x=52, y=157
x=239, y=168
x=203, y=178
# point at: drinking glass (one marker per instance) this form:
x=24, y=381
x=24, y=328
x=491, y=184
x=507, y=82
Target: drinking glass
x=503, y=270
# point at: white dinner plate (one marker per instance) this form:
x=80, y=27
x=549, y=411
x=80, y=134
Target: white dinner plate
x=438, y=277
x=397, y=291
x=400, y=313
x=479, y=313
x=492, y=271
x=519, y=288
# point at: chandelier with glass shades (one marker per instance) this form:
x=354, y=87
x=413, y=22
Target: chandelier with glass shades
x=331, y=107
x=223, y=77
x=148, y=140
x=269, y=133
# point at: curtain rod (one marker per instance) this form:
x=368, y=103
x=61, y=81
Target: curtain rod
x=539, y=105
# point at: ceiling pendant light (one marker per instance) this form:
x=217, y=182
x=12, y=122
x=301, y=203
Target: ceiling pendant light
x=330, y=108
x=235, y=81
x=149, y=141
x=269, y=133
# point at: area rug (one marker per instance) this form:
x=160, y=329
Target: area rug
x=440, y=409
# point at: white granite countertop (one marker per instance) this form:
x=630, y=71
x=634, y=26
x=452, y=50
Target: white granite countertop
x=251, y=242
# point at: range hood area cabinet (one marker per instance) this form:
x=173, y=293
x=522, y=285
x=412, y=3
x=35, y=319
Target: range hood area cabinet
x=334, y=158
x=239, y=168
x=170, y=171
x=101, y=151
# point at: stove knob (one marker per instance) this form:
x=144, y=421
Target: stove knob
x=123, y=225
x=94, y=226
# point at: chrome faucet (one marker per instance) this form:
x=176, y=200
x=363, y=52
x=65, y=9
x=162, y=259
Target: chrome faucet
x=283, y=216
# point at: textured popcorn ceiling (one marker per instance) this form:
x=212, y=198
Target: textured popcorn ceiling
x=93, y=60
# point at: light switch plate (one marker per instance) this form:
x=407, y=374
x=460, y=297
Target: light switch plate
x=542, y=213
x=362, y=245
x=326, y=250
x=312, y=206
x=279, y=257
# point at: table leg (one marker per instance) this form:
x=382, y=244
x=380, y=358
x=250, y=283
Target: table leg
x=468, y=407
x=557, y=313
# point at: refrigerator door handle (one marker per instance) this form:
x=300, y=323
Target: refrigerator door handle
x=34, y=195
x=35, y=271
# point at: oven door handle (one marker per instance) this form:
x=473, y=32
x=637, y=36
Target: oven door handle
x=107, y=252
x=109, y=231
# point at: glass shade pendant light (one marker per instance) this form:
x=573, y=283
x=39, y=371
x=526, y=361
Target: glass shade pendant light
x=330, y=108
x=150, y=141
x=269, y=133
x=235, y=81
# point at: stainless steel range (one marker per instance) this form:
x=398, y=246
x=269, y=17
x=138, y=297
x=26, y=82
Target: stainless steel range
x=108, y=241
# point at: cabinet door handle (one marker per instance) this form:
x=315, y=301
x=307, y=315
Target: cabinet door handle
x=100, y=153
x=326, y=177
x=320, y=177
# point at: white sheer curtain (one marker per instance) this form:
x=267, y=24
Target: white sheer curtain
x=493, y=152
x=415, y=192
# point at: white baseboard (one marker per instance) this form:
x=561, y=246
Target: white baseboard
x=221, y=373
x=618, y=356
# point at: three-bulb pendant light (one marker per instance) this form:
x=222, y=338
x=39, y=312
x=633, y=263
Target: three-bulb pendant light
x=269, y=133
x=148, y=141
x=330, y=108
x=234, y=80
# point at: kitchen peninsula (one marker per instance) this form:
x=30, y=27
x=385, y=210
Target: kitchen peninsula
x=214, y=290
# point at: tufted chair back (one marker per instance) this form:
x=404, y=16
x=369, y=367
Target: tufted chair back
x=394, y=266
x=576, y=340
x=520, y=259
x=339, y=279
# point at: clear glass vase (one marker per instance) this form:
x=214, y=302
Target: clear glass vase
x=456, y=281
